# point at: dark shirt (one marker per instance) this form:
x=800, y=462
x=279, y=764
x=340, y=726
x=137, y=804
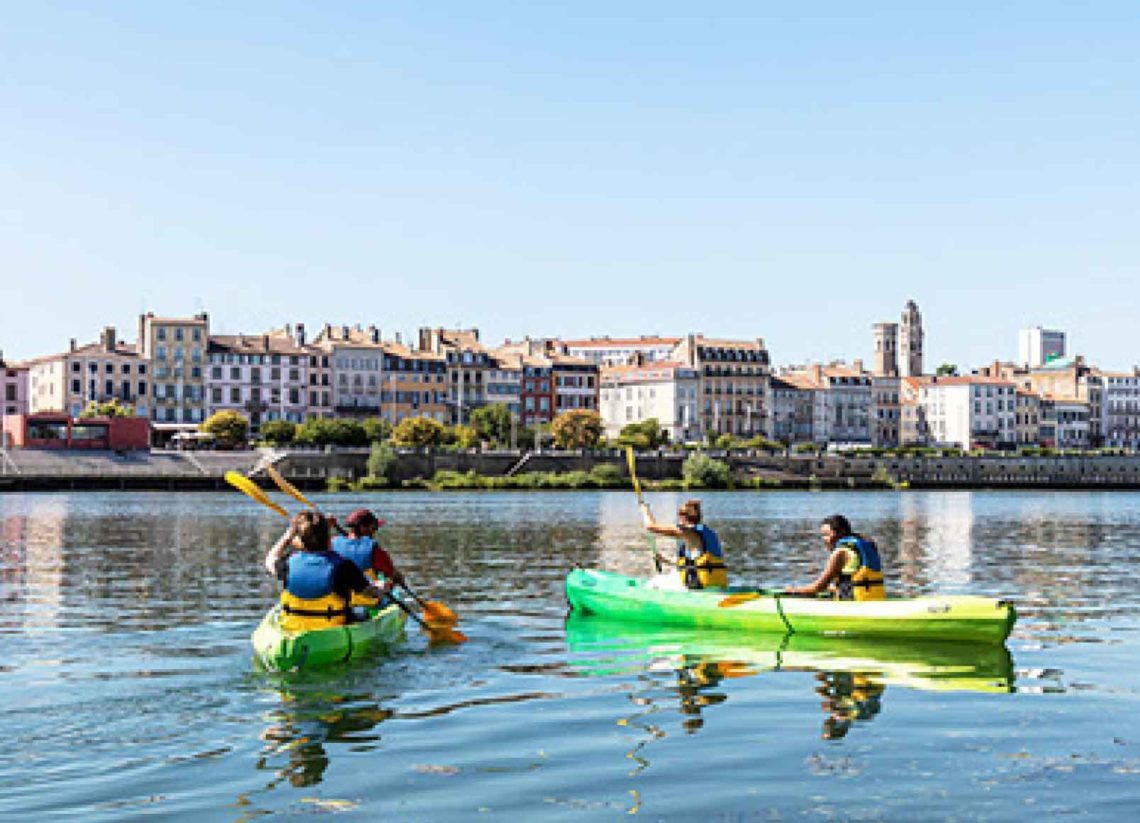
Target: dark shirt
x=347, y=577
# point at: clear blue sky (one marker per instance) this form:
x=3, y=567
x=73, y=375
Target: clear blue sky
x=741, y=169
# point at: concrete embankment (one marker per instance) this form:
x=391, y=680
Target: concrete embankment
x=312, y=469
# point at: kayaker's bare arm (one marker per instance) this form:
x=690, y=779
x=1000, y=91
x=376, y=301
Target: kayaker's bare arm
x=829, y=575
x=665, y=530
x=280, y=549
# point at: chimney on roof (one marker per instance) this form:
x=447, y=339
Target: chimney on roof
x=265, y=341
x=205, y=318
x=299, y=334
x=374, y=334
x=817, y=373
x=398, y=340
x=73, y=344
x=858, y=365
x=344, y=332
x=108, y=338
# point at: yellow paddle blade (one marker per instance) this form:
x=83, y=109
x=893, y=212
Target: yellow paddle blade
x=244, y=484
x=287, y=487
x=737, y=599
x=629, y=459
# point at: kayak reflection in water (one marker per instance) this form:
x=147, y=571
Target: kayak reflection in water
x=694, y=680
x=700, y=558
x=848, y=696
x=854, y=570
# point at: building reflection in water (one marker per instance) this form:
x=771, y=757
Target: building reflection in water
x=32, y=561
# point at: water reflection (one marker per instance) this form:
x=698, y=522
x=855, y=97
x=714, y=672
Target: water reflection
x=851, y=674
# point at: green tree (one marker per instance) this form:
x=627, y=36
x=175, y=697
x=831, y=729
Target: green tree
x=109, y=408
x=726, y=442
x=419, y=431
x=466, y=437
x=577, y=429
x=493, y=423
x=645, y=434
x=278, y=431
x=703, y=472
x=382, y=463
x=331, y=431
x=229, y=427
x=377, y=429
x=947, y=370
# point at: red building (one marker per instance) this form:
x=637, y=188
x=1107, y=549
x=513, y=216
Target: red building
x=53, y=430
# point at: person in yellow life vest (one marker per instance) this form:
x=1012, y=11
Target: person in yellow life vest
x=700, y=557
x=360, y=546
x=318, y=582
x=854, y=570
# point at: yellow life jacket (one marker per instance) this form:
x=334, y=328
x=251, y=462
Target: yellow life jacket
x=309, y=601
x=707, y=569
x=862, y=576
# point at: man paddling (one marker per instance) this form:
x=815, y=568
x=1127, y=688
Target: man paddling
x=854, y=570
x=360, y=546
x=700, y=558
x=318, y=582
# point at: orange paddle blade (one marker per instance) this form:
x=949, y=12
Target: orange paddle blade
x=437, y=614
x=737, y=599
x=444, y=634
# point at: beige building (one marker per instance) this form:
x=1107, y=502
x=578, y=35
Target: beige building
x=415, y=384
x=97, y=372
x=618, y=351
x=841, y=401
x=175, y=347
x=1027, y=418
x=468, y=364
x=733, y=383
x=356, y=370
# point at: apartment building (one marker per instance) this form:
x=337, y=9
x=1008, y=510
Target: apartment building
x=791, y=405
x=263, y=377
x=96, y=372
x=1064, y=422
x=505, y=380
x=1072, y=378
x=886, y=411
x=1027, y=418
x=414, y=384
x=841, y=401
x=1121, y=409
x=618, y=351
x=664, y=390
x=970, y=412
x=733, y=383
x=175, y=348
x=575, y=382
x=356, y=362
x=468, y=363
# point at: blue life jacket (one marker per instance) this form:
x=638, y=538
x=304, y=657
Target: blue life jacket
x=311, y=574
x=356, y=549
x=865, y=581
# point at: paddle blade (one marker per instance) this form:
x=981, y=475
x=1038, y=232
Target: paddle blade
x=287, y=487
x=443, y=634
x=737, y=599
x=247, y=486
x=437, y=614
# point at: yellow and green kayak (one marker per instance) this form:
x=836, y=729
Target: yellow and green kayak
x=278, y=650
x=933, y=617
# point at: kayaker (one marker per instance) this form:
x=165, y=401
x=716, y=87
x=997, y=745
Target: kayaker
x=318, y=582
x=854, y=570
x=700, y=558
x=360, y=546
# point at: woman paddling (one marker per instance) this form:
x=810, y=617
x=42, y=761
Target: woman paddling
x=854, y=570
x=700, y=558
x=318, y=582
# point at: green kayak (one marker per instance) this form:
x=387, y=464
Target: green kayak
x=604, y=647
x=934, y=617
x=278, y=650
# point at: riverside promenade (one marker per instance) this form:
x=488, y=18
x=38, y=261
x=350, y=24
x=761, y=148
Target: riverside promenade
x=33, y=470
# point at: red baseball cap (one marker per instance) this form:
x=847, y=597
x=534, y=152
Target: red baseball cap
x=363, y=517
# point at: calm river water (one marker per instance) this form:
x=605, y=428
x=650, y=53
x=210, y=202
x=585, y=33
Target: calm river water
x=126, y=687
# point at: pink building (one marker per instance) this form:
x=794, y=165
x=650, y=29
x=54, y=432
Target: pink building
x=13, y=390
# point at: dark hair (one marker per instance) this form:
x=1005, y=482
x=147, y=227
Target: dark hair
x=691, y=511
x=312, y=530
x=840, y=525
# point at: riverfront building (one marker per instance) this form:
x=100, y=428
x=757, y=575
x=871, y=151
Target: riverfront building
x=1121, y=408
x=733, y=383
x=790, y=410
x=13, y=388
x=262, y=377
x=663, y=390
x=414, y=384
x=618, y=351
x=969, y=412
x=97, y=372
x=468, y=363
x=841, y=401
x=175, y=348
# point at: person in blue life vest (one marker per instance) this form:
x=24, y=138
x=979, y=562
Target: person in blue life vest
x=700, y=558
x=318, y=582
x=360, y=546
x=854, y=570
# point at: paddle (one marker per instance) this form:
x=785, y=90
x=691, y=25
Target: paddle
x=436, y=633
x=744, y=597
x=632, y=463
x=244, y=484
x=434, y=611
